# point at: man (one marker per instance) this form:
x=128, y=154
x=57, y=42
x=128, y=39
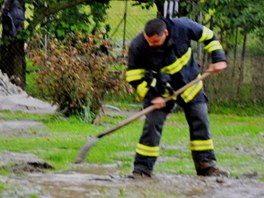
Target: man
x=160, y=60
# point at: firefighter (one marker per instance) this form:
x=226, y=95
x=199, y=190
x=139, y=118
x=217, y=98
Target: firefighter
x=160, y=60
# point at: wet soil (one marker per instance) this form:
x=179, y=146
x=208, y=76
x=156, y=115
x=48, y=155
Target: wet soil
x=32, y=177
x=88, y=180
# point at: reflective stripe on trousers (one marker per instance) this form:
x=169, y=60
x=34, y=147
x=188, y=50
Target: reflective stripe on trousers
x=150, y=139
x=200, y=137
x=201, y=143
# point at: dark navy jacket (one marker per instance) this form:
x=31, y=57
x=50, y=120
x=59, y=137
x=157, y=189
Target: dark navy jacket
x=175, y=56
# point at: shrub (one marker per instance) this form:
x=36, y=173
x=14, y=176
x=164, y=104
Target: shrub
x=76, y=73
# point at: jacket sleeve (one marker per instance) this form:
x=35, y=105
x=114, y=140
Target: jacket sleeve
x=206, y=36
x=136, y=74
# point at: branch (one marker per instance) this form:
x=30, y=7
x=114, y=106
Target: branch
x=41, y=13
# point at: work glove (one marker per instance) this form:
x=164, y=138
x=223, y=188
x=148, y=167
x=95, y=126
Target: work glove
x=163, y=83
x=149, y=77
x=159, y=83
x=162, y=86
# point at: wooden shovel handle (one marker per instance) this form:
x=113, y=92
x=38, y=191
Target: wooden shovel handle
x=151, y=108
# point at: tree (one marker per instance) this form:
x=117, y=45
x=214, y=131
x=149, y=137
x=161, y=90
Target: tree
x=240, y=19
x=41, y=9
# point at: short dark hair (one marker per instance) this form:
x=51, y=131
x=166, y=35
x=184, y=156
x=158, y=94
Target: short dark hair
x=154, y=26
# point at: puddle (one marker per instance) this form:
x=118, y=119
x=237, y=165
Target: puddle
x=98, y=169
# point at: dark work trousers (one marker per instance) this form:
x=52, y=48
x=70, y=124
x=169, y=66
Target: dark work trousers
x=197, y=118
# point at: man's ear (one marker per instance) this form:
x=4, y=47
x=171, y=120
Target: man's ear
x=166, y=32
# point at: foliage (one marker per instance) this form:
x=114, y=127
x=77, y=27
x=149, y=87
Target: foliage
x=44, y=9
x=67, y=21
x=75, y=19
x=247, y=15
x=76, y=74
x=99, y=14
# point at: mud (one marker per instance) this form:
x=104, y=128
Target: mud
x=71, y=184
x=19, y=128
x=30, y=176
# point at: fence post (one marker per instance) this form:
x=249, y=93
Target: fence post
x=125, y=20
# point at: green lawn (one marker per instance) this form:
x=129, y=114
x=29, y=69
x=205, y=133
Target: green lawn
x=136, y=17
x=239, y=142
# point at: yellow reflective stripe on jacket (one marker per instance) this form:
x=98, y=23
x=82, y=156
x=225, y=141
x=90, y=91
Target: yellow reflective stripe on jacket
x=152, y=151
x=178, y=64
x=202, y=145
x=212, y=46
x=192, y=91
x=142, y=90
x=135, y=74
x=206, y=35
x=153, y=83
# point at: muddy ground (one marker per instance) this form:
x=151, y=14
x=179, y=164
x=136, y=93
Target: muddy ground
x=33, y=176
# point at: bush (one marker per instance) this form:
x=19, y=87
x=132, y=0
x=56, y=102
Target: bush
x=76, y=74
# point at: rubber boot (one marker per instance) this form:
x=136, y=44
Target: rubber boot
x=140, y=174
x=210, y=169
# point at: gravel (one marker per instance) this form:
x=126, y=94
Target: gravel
x=13, y=98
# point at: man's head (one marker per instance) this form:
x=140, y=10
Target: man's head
x=155, y=32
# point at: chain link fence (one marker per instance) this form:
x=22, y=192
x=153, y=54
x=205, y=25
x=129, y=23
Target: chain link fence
x=126, y=21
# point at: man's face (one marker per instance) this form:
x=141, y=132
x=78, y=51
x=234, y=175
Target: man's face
x=156, y=40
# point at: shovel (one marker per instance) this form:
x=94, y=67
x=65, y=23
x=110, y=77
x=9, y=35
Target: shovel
x=92, y=141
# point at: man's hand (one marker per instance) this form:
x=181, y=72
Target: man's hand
x=217, y=67
x=158, y=102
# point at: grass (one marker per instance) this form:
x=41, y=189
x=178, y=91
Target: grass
x=243, y=108
x=2, y=186
x=239, y=142
x=31, y=76
x=136, y=19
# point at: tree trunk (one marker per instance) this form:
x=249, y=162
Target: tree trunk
x=241, y=66
x=12, y=62
x=235, y=53
x=12, y=57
